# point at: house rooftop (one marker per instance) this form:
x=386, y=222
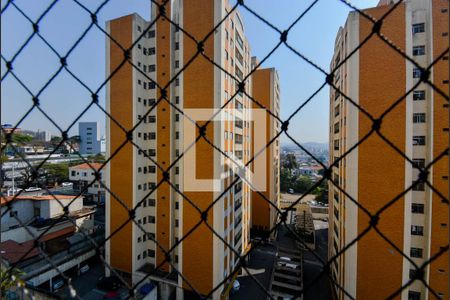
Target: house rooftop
x=4, y=200
x=95, y=166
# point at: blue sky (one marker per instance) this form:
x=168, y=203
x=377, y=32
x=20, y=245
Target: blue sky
x=65, y=98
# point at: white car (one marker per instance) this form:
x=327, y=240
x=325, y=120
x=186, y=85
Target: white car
x=67, y=184
x=285, y=258
x=32, y=189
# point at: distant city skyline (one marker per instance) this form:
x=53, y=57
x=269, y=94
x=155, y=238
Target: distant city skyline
x=65, y=98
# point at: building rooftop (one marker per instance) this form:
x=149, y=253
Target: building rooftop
x=13, y=251
x=95, y=166
x=4, y=200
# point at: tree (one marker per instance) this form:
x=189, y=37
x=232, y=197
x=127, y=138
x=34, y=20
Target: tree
x=321, y=192
x=285, y=180
x=290, y=162
x=9, y=279
x=21, y=139
x=56, y=172
x=55, y=140
x=302, y=184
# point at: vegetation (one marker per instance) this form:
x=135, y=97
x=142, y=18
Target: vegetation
x=9, y=279
x=99, y=158
x=21, y=139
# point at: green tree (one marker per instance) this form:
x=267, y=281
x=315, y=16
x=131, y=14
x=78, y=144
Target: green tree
x=21, y=139
x=285, y=179
x=321, y=192
x=302, y=184
x=290, y=162
x=56, y=172
x=55, y=140
x=9, y=279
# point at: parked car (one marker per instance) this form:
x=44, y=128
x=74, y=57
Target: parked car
x=33, y=189
x=57, y=284
x=111, y=283
x=84, y=269
x=67, y=184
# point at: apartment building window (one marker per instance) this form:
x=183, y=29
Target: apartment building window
x=177, y=117
x=151, y=68
x=416, y=252
x=226, y=55
x=151, y=219
x=336, y=127
x=419, y=163
x=145, y=85
x=151, y=51
x=420, y=186
x=139, y=46
x=152, y=169
x=151, y=152
x=419, y=95
x=139, y=257
x=139, y=239
x=144, y=254
x=139, y=82
x=177, y=64
x=151, y=101
x=139, y=28
x=144, y=221
x=177, y=135
x=418, y=140
x=151, y=85
x=416, y=72
x=177, y=45
x=416, y=230
x=226, y=34
x=336, y=144
x=417, y=208
x=139, y=187
x=418, y=50
x=177, y=100
x=419, y=118
x=177, y=205
x=151, y=253
x=177, y=82
x=151, y=202
x=151, y=119
x=418, y=28
x=413, y=295
x=151, y=34
x=151, y=135
x=145, y=102
x=176, y=223
x=144, y=51
x=177, y=170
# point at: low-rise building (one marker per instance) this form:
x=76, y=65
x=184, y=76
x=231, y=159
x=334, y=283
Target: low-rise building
x=26, y=219
x=82, y=175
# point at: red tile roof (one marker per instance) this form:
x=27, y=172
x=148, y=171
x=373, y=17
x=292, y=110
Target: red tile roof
x=13, y=251
x=96, y=166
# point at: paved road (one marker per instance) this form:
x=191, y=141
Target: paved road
x=85, y=284
x=312, y=268
x=261, y=258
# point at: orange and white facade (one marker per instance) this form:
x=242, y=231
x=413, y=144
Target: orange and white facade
x=266, y=90
x=167, y=216
x=373, y=173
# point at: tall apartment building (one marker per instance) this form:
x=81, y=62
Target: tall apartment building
x=89, y=133
x=374, y=173
x=266, y=90
x=166, y=216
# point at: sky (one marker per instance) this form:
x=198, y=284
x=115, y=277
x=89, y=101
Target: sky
x=64, y=98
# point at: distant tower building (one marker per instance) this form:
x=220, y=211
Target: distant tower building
x=43, y=135
x=89, y=137
x=373, y=173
